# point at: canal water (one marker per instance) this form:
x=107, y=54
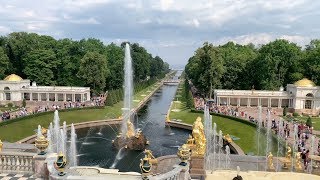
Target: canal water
x=95, y=144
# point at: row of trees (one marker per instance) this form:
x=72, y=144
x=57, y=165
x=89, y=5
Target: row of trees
x=270, y=66
x=87, y=62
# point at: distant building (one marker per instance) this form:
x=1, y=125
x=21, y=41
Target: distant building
x=14, y=89
x=303, y=96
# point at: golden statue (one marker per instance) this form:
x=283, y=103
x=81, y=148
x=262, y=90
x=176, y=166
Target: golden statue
x=270, y=161
x=150, y=156
x=44, y=130
x=288, y=155
x=1, y=144
x=298, y=161
x=199, y=137
x=228, y=138
x=130, y=129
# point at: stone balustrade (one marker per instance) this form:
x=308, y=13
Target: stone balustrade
x=17, y=162
x=177, y=173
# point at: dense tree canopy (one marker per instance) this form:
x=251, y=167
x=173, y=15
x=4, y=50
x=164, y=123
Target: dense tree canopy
x=234, y=66
x=68, y=62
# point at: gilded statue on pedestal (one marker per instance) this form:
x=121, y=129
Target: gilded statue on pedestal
x=288, y=155
x=270, y=161
x=150, y=156
x=199, y=137
x=130, y=129
x=298, y=161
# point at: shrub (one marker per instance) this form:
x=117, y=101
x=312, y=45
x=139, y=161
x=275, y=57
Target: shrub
x=295, y=114
x=285, y=111
x=10, y=105
x=309, y=122
x=24, y=103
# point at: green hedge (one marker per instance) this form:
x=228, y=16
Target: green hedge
x=6, y=122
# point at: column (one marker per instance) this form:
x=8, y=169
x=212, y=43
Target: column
x=47, y=97
x=249, y=102
x=238, y=102
x=279, y=103
x=55, y=97
x=259, y=102
x=269, y=102
x=64, y=97
x=313, y=104
x=81, y=97
x=39, y=96
x=31, y=97
x=73, y=97
x=218, y=103
x=228, y=101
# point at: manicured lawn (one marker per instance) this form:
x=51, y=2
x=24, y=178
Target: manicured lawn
x=246, y=133
x=315, y=121
x=24, y=128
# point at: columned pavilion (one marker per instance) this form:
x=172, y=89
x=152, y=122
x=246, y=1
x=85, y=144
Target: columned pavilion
x=303, y=96
x=14, y=88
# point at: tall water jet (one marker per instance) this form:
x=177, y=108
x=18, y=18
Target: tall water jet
x=294, y=146
x=39, y=132
x=227, y=161
x=220, y=145
x=279, y=151
x=208, y=134
x=268, y=143
x=312, y=152
x=73, y=161
x=49, y=136
x=56, y=131
x=62, y=143
x=214, y=144
x=259, y=123
x=128, y=90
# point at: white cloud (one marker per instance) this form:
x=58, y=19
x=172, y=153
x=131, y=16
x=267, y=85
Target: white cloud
x=264, y=38
x=4, y=30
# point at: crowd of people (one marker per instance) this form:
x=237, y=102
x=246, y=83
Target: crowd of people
x=6, y=115
x=286, y=131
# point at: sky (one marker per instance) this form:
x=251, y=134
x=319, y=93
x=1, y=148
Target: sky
x=171, y=29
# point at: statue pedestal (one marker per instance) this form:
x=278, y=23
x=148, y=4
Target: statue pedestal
x=40, y=166
x=197, y=167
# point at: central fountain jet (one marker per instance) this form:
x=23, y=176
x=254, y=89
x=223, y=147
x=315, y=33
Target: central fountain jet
x=129, y=138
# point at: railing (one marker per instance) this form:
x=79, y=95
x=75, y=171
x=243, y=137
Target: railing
x=171, y=175
x=17, y=162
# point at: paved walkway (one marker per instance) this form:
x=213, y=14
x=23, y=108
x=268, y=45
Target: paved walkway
x=275, y=114
x=4, y=176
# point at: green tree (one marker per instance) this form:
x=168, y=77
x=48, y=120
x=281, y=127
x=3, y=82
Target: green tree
x=4, y=63
x=205, y=69
x=279, y=64
x=115, y=56
x=40, y=66
x=311, y=63
x=236, y=59
x=93, y=71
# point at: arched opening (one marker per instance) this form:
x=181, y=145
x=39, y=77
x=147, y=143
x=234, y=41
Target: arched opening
x=7, y=94
x=309, y=101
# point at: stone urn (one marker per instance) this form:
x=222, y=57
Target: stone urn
x=145, y=167
x=184, y=154
x=60, y=164
x=42, y=143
